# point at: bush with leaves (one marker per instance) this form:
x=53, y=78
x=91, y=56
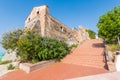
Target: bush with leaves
x=11, y=67
x=113, y=47
x=9, y=39
x=91, y=33
x=33, y=48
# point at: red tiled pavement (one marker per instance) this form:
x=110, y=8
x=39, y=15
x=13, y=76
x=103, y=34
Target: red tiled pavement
x=58, y=71
x=69, y=67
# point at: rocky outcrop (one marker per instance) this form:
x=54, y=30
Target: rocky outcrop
x=10, y=55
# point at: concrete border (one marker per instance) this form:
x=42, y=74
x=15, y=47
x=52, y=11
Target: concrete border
x=27, y=67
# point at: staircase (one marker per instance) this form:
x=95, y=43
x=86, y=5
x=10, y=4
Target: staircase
x=90, y=53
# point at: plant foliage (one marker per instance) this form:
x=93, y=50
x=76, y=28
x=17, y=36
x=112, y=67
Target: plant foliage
x=5, y=62
x=10, y=67
x=91, y=33
x=113, y=47
x=109, y=25
x=32, y=47
x=9, y=39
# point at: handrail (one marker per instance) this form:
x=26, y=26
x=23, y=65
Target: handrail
x=106, y=54
x=106, y=51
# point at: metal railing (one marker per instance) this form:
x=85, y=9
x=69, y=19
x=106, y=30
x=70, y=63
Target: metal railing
x=106, y=54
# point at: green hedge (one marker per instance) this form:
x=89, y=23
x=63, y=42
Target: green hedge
x=33, y=48
x=113, y=47
x=91, y=34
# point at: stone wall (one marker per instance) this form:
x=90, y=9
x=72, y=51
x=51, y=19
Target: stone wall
x=55, y=29
x=45, y=25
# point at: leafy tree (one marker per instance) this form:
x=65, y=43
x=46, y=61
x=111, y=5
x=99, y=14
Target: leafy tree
x=91, y=33
x=109, y=25
x=9, y=39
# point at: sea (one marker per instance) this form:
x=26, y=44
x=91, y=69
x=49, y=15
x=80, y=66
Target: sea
x=1, y=55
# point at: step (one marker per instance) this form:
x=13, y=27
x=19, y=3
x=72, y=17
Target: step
x=88, y=64
x=84, y=58
x=92, y=56
x=84, y=62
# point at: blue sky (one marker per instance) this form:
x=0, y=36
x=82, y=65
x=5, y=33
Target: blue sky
x=70, y=12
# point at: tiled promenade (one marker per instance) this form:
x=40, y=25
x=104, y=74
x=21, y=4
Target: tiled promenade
x=85, y=60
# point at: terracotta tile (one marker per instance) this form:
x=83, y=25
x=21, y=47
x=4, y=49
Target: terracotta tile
x=85, y=60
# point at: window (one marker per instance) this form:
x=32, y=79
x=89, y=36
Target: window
x=37, y=12
x=61, y=28
x=28, y=19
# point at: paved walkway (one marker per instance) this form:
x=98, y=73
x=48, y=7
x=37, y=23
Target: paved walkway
x=106, y=76
x=3, y=69
x=71, y=66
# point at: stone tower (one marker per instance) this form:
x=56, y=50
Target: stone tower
x=45, y=25
x=36, y=19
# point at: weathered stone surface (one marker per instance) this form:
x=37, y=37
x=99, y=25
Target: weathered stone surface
x=45, y=25
x=10, y=55
x=111, y=66
x=16, y=64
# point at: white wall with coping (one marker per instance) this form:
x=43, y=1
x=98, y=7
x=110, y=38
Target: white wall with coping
x=27, y=67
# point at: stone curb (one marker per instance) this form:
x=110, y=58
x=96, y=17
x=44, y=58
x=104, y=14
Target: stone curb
x=27, y=67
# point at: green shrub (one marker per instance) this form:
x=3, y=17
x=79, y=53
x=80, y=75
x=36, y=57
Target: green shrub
x=9, y=39
x=4, y=62
x=10, y=67
x=73, y=46
x=91, y=34
x=113, y=47
x=33, y=48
